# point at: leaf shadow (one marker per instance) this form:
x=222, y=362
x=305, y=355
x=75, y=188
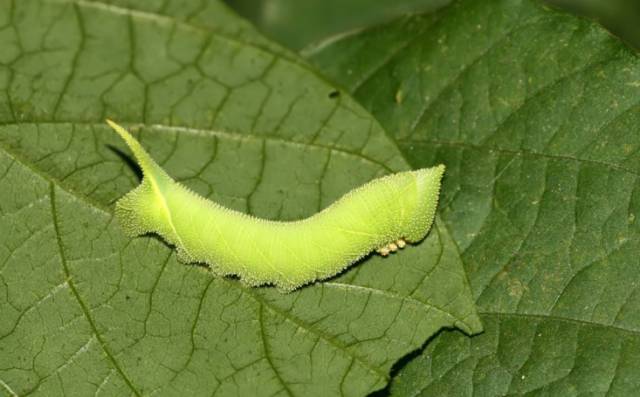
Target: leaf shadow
x=405, y=360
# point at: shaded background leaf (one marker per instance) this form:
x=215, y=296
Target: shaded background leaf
x=297, y=24
x=87, y=311
x=535, y=114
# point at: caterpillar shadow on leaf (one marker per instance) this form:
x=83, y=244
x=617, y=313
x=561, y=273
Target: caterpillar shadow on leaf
x=135, y=168
x=382, y=215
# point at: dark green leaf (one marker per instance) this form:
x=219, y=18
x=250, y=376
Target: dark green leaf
x=536, y=115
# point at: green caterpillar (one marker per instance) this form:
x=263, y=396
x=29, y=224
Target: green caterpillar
x=381, y=215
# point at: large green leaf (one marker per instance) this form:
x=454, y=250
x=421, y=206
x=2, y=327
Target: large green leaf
x=85, y=310
x=536, y=115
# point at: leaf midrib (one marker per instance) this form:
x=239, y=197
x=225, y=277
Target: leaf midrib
x=555, y=317
x=523, y=153
x=159, y=128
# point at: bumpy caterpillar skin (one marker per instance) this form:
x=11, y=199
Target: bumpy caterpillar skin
x=381, y=215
